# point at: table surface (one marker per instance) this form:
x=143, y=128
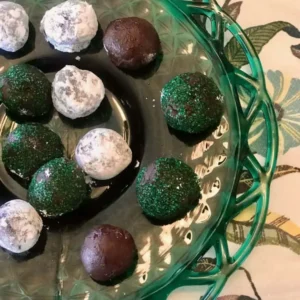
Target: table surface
x=272, y=270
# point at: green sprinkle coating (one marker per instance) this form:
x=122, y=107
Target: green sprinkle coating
x=25, y=91
x=57, y=187
x=167, y=189
x=29, y=147
x=191, y=102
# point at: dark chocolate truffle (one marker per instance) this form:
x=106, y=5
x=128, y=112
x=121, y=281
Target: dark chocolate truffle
x=131, y=43
x=29, y=147
x=57, y=188
x=192, y=103
x=25, y=91
x=167, y=189
x=108, y=252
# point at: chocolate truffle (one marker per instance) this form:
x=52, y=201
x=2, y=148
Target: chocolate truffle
x=192, y=103
x=131, y=43
x=20, y=226
x=70, y=26
x=108, y=252
x=29, y=147
x=167, y=189
x=58, y=187
x=76, y=93
x=14, y=26
x=103, y=153
x=25, y=91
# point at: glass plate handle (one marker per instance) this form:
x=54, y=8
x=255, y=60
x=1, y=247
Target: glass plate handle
x=261, y=173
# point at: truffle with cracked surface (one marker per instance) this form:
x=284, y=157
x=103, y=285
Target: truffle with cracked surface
x=20, y=226
x=70, y=26
x=103, y=153
x=76, y=93
x=14, y=26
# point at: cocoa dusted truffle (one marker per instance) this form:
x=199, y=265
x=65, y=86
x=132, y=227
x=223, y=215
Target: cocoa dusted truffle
x=167, y=189
x=131, y=43
x=192, y=103
x=108, y=252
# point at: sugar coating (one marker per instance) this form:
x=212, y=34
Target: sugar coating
x=103, y=153
x=14, y=26
x=167, y=189
x=70, y=26
x=25, y=91
x=76, y=93
x=20, y=226
x=192, y=103
x=29, y=147
x=57, y=188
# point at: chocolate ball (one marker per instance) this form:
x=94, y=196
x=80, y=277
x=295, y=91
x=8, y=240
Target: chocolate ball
x=131, y=43
x=14, y=26
x=108, y=252
x=25, y=91
x=167, y=189
x=57, y=188
x=29, y=147
x=76, y=93
x=70, y=26
x=103, y=153
x=20, y=226
x=192, y=103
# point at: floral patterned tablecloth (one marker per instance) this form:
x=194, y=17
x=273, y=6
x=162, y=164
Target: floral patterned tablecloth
x=272, y=271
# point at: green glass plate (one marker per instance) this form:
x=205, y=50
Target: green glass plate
x=192, y=36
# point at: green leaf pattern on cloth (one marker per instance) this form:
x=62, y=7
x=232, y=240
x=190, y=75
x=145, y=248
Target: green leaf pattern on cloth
x=285, y=94
x=284, y=90
x=233, y=9
x=259, y=36
x=296, y=50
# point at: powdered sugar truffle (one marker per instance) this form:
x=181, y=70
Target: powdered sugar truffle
x=14, y=26
x=70, y=26
x=20, y=226
x=103, y=153
x=76, y=93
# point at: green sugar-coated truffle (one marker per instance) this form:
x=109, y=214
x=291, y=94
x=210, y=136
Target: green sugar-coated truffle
x=57, y=188
x=25, y=91
x=191, y=102
x=29, y=147
x=167, y=189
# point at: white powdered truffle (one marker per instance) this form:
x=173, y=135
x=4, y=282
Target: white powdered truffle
x=70, y=26
x=103, y=153
x=20, y=226
x=76, y=93
x=14, y=26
